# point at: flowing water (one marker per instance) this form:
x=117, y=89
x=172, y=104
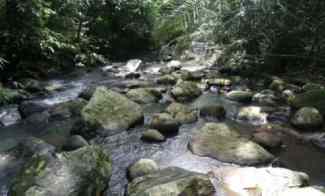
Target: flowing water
x=127, y=147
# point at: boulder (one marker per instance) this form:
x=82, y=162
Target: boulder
x=307, y=118
x=174, y=63
x=223, y=142
x=144, y=95
x=111, y=110
x=164, y=122
x=219, y=82
x=240, y=96
x=28, y=108
x=9, y=115
x=142, y=167
x=215, y=111
x=74, y=142
x=133, y=65
x=313, y=86
x=278, y=85
x=253, y=115
x=267, y=139
x=258, y=181
x=185, y=91
x=314, y=191
x=171, y=182
x=153, y=135
x=166, y=80
x=85, y=171
x=314, y=98
x=168, y=70
x=266, y=97
x=182, y=113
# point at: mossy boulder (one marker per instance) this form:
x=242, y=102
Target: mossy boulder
x=240, y=96
x=82, y=172
x=185, y=91
x=164, y=122
x=307, y=118
x=9, y=96
x=313, y=98
x=167, y=80
x=111, y=110
x=153, y=135
x=223, y=142
x=171, y=182
x=142, y=167
x=144, y=95
x=182, y=113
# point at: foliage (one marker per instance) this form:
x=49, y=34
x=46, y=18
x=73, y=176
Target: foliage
x=278, y=33
x=54, y=32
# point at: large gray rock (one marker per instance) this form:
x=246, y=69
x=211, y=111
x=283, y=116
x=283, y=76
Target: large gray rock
x=185, y=91
x=307, y=118
x=223, y=142
x=111, y=110
x=258, y=181
x=82, y=172
x=144, y=95
x=9, y=115
x=171, y=182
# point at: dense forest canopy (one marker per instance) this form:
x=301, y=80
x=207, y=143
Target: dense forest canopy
x=38, y=35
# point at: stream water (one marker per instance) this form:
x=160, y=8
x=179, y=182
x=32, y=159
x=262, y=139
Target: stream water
x=127, y=147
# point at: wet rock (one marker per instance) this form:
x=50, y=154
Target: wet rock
x=132, y=75
x=134, y=65
x=9, y=115
x=277, y=85
x=173, y=182
x=314, y=191
x=214, y=110
x=111, y=110
x=288, y=94
x=240, y=96
x=219, y=82
x=224, y=143
x=174, y=63
x=28, y=108
x=75, y=142
x=312, y=87
x=164, y=122
x=142, y=167
x=185, y=91
x=144, y=95
x=38, y=118
x=252, y=114
x=166, y=80
x=265, y=97
x=167, y=70
x=182, y=113
x=88, y=93
x=85, y=171
x=11, y=96
x=314, y=98
x=153, y=135
x=267, y=139
x=68, y=109
x=32, y=85
x=258, y=181
x=32, y=146
x=307, y=118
